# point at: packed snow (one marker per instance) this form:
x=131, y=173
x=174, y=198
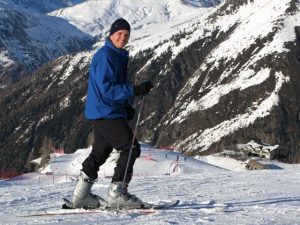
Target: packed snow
x=223, y=193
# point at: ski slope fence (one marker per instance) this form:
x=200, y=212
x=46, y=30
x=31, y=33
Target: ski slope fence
x=39, y=178
x=56, y=176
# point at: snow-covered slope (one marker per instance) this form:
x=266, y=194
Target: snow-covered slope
x=207, y=194
x=153, y=162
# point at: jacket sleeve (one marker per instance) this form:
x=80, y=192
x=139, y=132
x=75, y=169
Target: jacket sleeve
x=106, y=78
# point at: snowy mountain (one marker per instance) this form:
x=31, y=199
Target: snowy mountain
x=95, y=17
x=207, y=194
x=31, y=39
x=223, y=76
x=35, y=32
x=45, y=6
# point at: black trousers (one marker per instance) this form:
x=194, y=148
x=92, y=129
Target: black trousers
x=109, y=134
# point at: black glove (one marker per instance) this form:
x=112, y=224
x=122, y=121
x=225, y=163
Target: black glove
x=130, y=112
x=143, y=88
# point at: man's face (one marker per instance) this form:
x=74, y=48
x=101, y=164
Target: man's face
x=120, y=38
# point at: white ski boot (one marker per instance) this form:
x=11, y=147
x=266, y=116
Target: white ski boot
x=117, y=193
x=82, y=196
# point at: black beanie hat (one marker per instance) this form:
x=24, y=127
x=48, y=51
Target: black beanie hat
x=119, y=24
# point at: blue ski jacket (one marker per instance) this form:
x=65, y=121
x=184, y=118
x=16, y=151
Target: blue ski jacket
x=108, y=89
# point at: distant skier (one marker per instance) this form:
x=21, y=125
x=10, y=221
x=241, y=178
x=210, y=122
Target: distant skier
x=108, y=109
x=177, y=158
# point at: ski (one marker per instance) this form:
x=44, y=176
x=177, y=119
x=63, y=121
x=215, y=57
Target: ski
x=65, y=212
x=149, y=209
x=165, y=205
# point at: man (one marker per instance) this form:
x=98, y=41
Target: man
x=107, y=107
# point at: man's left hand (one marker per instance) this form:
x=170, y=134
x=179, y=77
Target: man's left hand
x=130, y=112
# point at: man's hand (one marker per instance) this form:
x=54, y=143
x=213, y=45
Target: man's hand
x=143, y=88
x=130, y=112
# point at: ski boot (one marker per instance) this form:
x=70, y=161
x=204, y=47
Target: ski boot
x=119, y=196
x=82, y=196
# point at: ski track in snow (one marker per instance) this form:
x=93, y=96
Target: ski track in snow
x=207, y=194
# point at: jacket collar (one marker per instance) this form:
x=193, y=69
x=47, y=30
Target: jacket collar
x=120, y=51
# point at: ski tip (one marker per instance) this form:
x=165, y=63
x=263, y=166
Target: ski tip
x=166, y=205
x=175, y=202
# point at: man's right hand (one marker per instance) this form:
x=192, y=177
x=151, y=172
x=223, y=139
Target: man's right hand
x=143, y=88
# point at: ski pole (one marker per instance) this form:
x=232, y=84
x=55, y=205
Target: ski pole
x=132, y=144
